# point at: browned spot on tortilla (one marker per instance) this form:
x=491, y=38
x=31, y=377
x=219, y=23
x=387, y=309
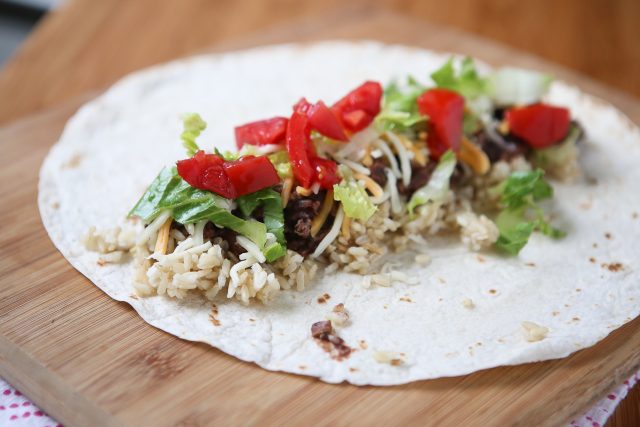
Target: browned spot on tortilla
x=302, y=367
x=555, y=313
x=585, y=206
x=479, y=344
x=101, y=262
x=608, y=235
x=441, y=280
x=405, y=299
x=530, y=264
x=635, y=215
x=613, y=267
x=480, y=258
x=323, y=298
x=578, y=290
x=575, y=319
x=567, y=305
x=363, y=344
x=73, y=162
x=385, y=306
x=595, y=245
x=252, y=319
x=55, y=205
x=213, y=315
x=353, y=369
x=493, y=291
x=395, y=362
x=324, y=335
x=592, y=260
x=133, y=296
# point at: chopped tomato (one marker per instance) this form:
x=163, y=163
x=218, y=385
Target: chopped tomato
x=326, y=172
x=445, y=109
x=250, y=174
x=539, y=125
x=359, y=107
x=206, y=172
x=322, y=119
x=298, y=145
x=262, y=132
x=228, y=179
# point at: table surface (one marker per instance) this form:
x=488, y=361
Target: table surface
x=86, y=45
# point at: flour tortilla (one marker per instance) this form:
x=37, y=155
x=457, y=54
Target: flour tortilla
x=116, y=144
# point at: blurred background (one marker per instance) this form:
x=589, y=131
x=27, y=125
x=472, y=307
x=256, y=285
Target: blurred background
x=91, y=42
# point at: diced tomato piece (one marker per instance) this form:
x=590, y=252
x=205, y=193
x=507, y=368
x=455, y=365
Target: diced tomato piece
x=445, y=109
x=206, y=172
x=326, y=172
x=365, y=99
x=539, y=125
x=299, y=147
x=262, y=132
x=228, y=179
x=322, y=119
x=356, y=119
x=250, y=174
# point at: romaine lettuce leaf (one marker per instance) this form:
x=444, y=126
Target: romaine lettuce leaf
x=466, y=82
x=355, y=200
x=516, y=86
x=436, y=189
x=280, y=161
x=273, y=212
x=193, y=125
x=521, y=215
x=399, y=107
x=189, y=205
x=558, y=154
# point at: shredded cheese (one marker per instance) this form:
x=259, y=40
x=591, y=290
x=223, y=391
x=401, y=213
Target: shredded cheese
x=304, y=191
x=474, y=157
x=403, y=155
x=287, y=186
x=331, y=235
x=393, y=162
x=416, y=149
x=346, y=228
x=373, y=187
x=163, y=237
x=321, y=218
x=503, y=127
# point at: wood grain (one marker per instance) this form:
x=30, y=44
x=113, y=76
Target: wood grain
x=88, y=360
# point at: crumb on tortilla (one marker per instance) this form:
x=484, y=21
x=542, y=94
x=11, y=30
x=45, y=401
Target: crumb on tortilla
x=338, y=316
x=423, y=259
x=390, y=357
x=468, y=304
x=534, y=332
x=363, y=344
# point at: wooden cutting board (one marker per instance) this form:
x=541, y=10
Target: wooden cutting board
x=88, y=360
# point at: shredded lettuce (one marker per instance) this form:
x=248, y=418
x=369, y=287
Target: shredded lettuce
x=227, y=155
x=521, y=214
x=355, y=200
x=280, y=161
x=189, y=205
x=466, y=81
x=436, y=189
x=193, y=125
x=559, y=154
x=399, y=107
x=516, y=86
x=273, y=212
